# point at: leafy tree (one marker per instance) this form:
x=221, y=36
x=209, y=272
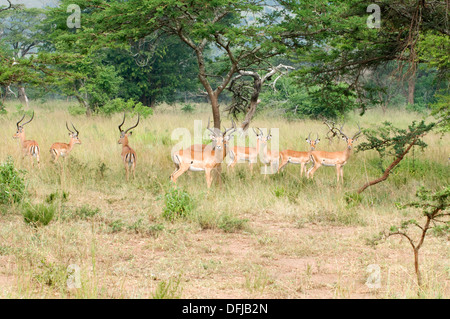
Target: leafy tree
x=335, y=44
x=434, y=206
x=154, y=70
x=241, y=32
x=390, y=141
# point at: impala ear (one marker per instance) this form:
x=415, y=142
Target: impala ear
x=269, y=137
x=130, y=133
x=212, y=137
x=317, y=141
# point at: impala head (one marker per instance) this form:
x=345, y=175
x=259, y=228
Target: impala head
x=260, y=136
x=219, y=138
x=349, y=140
x=124, y=134
x=20, y=130
x=74, y=136
x=311, y=142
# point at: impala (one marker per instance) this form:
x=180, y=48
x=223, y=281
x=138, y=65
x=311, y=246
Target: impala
x=63, y=149
x=269, y=157
x=250, y=154
x=337, y=159
x=128, y=154
x=29, y=147
x=302, y=158
x=201, y=157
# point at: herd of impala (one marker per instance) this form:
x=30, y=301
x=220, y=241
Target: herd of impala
x=201, y=157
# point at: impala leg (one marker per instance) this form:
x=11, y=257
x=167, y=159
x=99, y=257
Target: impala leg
x=283, y=163
x=126, y=170
x=338, y=171
x=208, y=177
x=312, y=170
x=302, y=168
x=134, y=169
x=177, y=173
x=342, y=174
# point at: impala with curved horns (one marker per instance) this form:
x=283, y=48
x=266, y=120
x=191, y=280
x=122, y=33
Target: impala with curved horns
x=269, y=157
x=250, y=154
x=63, y=149
x=201, y=157
x=337, y=159
x=302, y=158
x=29, y=147
x=128, y=154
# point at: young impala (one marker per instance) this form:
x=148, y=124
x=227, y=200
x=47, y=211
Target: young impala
x=63, y=149
x=29, y=147
x=128, y=154
x=250, y=154
x=302, y=158
x=337, y=159
x=201, y=157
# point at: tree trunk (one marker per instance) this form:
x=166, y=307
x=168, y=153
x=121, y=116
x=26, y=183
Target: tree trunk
x=411, y=88
x=84, y=104
x=23, y=96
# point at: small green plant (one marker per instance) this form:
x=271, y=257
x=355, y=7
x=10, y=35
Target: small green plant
x=178, y=203
x=52, y=197
x=230, y=224
x=169, y=289
x=51, y=274
x=117, y=225
x=188, y=108
x=38, y=215
x=86, y=212
x=12, y=184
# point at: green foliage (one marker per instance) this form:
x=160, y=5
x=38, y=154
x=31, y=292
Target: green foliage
x=188, y=108
x=86, y=212
x=116, y=225
x=76, y=110
x=12, y=183
x=178, y=203
x=38, y=215
x=300, y=101
x=119, y=106
x=388, y=140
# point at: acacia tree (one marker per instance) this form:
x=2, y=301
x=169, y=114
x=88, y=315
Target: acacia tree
x=434, y=208
x=241, y=33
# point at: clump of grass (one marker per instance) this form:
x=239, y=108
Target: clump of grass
x=38, y=215
x=169, y=289
x=52, y=197
x=12, y=184
x=51, y=274
x=139, y=227
x=230, y=224
x=86, y=212
x=178, y=203
x=116, y=225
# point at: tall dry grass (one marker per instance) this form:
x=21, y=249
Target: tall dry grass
x=93, y=177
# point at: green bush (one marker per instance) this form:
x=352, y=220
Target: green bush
x=76, y=110
x=188, y=108
x=178, y=203
x=12, y=184
x=119, y=105
x=38, y=215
